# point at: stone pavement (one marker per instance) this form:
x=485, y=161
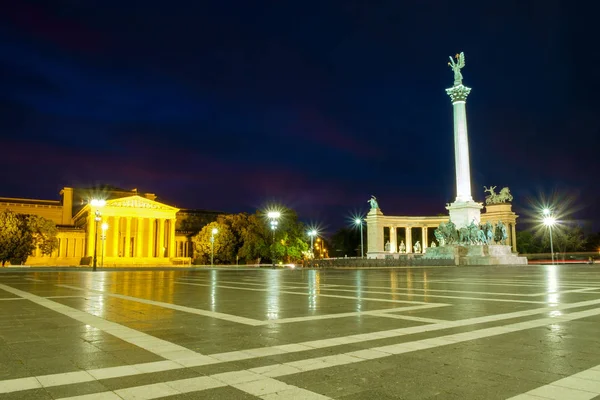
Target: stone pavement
x=529, y=332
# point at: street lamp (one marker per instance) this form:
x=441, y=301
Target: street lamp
x=359, y=222
x=273, y=218
x=312, y=233
x=103, y=237
x=212, y=245
x=97, y=203
x=549, y=221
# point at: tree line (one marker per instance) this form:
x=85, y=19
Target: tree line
x=21, y=234
x=248, y=238
x=565, y=239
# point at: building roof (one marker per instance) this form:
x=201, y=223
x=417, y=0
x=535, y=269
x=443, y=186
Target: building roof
x=16, y=200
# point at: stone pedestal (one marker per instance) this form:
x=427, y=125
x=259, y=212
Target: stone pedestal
x=476, y=255
x=463, y=213
x=375, y=243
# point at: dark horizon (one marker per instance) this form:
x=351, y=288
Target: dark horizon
x=233, y=106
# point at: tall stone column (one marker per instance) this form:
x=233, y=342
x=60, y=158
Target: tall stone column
x=393, y=240
x=151, y=244
x=409, y=245
x=513, y=240
x=424, y=238
x=161, y=237
x=171, y=238
x=139, y=234
x=116, y=226
x=91, y=223
x=464, y=210
x=127, y=251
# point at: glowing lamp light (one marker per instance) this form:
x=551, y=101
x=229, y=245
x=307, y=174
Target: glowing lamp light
x=274, y=214
x=549, y=221
x=215, y=231
x=104, y=227
x=98, y=202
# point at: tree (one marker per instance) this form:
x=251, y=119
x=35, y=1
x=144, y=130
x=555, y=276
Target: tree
x=289, y=242
x=256, y=239
x=224, y=249
x=9, y=231
x=346, y=242
x=593, y=242
x=44, y=233
x=20, y=234
x=528, y=243
x=565, y=238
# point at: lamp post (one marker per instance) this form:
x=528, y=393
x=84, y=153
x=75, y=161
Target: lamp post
x=549, y=221
x=359, y=222
x=273, y=218
x=312, y=233
x=97, y=203
x=103, y=237
x=212, y=245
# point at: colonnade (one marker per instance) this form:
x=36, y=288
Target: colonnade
x=134, y=237
x=408, y=240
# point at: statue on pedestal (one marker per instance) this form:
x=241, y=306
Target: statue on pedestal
x=457, y=66
x=433, y=244
x=402, y=247
x=500, y=234
x=373, y=202
x=387, y=246
x=417, y=247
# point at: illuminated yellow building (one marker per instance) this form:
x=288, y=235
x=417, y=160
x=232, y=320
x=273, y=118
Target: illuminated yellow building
x=139, y=229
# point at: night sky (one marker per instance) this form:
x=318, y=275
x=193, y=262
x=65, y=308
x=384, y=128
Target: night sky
x=232, y=105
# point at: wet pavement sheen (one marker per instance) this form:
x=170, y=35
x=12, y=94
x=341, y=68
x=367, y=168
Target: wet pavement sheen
x=418, y=333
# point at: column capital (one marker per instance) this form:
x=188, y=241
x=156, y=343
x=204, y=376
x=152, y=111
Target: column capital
x=458, y=93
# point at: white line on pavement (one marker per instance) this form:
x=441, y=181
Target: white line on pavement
x=259, y=381
x=584, y=385
x=255, y=322
x=14, y=385
x=147, y=342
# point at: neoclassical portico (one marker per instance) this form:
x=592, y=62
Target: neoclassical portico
x=140, y=231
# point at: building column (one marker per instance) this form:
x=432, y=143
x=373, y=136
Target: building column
x=115, y=249
x=393, y=240
x=127, y=251
x=513, y=240
x=171, y=238
x=409, y=248
x=139, y=234
x=424, y=238
x=161, y=237
x=151, y=245
x=91, y=233
x=63, y=248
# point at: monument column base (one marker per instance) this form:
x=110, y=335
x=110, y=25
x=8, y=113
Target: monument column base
x=493, y=254
x=463, y=213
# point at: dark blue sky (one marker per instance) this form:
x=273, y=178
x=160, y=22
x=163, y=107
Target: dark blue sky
x=230, y=105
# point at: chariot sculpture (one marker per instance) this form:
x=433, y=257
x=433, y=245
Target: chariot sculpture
x=497, y=198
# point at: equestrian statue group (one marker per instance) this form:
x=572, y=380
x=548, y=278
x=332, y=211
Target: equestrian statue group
x=473, y=234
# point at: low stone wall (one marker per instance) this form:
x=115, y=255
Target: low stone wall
x=476, y=255
x=390, y=262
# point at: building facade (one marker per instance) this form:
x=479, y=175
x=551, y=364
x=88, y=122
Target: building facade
x=127, y=228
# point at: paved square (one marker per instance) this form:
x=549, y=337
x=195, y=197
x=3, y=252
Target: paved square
x=421, y=333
